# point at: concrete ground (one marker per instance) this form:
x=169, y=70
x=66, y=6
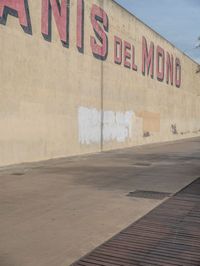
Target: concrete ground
x=52, y=213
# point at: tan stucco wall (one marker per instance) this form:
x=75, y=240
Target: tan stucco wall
x=48, y=92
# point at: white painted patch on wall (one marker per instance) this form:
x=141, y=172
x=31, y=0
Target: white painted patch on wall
x=117, y=126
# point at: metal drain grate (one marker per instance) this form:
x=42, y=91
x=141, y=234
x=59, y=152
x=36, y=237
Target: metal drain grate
x=142, y=164
x=18, y=173
x=148, y=194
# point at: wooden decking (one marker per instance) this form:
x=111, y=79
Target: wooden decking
x=168, y=235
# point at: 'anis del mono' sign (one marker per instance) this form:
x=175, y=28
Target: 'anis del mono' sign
x=156, y=62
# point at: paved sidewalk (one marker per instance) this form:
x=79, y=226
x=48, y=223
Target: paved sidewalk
x=168, y=235
x=54, y=212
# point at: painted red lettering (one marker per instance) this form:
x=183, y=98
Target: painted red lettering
x=60, y=12
x=160, y=63
x=127, y=54
x=18, y=6
x=99, y=15
x=178, y=73
x=147, y=58
x=117, y=50
x=134, y=66
x=170, y=69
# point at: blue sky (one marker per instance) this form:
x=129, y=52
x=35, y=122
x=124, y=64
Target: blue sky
x=176, y=20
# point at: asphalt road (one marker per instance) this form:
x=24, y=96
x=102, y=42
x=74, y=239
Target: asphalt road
x=53, y=212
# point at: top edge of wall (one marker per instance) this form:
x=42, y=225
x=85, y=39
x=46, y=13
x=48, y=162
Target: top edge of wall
x=160, y=35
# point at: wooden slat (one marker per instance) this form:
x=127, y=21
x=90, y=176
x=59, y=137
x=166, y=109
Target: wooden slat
x=168, y=235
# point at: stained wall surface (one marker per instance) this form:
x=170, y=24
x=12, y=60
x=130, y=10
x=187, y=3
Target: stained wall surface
x=58, y=101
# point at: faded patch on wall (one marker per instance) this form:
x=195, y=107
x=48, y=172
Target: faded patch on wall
x=151, y=121
x=116, y=126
